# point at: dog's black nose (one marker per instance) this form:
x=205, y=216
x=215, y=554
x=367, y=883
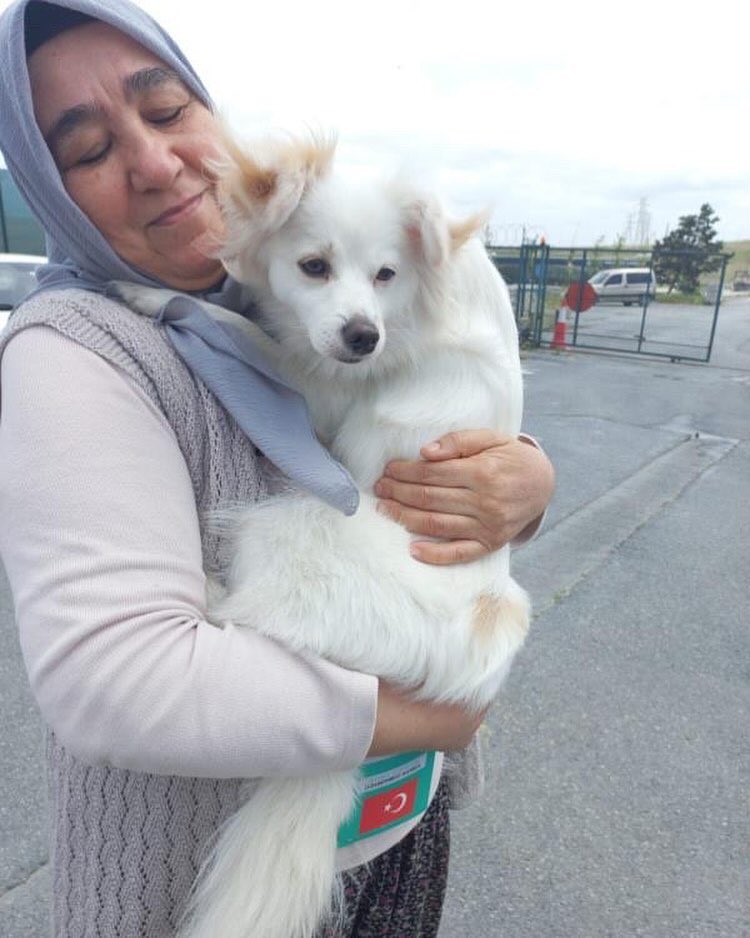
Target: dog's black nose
x=360, y=335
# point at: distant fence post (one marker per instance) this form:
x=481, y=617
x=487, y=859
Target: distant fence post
x=724, y=262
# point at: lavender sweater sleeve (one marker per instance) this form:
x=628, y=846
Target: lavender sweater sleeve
x=100, y=540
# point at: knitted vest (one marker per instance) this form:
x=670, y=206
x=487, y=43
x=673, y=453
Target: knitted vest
x=126, y=846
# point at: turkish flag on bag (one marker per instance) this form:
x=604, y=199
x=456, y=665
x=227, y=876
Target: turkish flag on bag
x=387, y=807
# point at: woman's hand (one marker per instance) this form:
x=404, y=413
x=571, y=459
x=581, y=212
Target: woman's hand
x=476, y=490
x=403, y=724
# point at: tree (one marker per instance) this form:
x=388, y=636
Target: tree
x=688, y=251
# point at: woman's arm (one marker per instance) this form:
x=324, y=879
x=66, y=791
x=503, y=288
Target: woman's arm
x=403, y=724
x=100, y=539
x=476, y=489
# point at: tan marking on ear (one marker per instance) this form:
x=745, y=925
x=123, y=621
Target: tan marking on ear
x=245, y=180
x=249, y=177
x=461, y=231
x=239, y=177
x=260, y=183
x=313, y=154
x=493, y=614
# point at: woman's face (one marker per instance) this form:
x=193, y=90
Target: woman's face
x=129, y=140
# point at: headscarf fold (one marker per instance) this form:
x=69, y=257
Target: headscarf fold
x=272, y=414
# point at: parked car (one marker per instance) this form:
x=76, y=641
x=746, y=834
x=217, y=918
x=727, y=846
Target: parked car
x=16, y=281
x=626, y=285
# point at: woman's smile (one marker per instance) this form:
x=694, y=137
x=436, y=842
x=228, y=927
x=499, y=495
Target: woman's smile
x=181, y=211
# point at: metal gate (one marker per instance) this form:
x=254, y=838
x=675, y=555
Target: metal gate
x=640, y=315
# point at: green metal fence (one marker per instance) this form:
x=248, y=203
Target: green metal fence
x=649, y=320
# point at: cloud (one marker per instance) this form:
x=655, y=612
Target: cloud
x=557, y=115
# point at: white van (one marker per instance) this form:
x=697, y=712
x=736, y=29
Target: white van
x=626, y=285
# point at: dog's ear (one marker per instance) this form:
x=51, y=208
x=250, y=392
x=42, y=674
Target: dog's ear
x=427, y=231
x=462, y=231
x=432, y=236
x=258, y=192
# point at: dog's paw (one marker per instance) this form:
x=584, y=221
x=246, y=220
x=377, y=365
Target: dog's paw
x=145, y=300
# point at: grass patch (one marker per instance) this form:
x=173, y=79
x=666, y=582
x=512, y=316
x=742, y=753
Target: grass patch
x=740, y=261
x=682, y=299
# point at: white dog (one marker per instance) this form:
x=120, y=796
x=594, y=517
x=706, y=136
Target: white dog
x=396, y=327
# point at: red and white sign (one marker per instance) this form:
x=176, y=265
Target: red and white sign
x=392, y=805
x=579, y=297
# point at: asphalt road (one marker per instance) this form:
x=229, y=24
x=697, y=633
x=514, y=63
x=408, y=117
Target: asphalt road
x=672, y=330
x=618, y=756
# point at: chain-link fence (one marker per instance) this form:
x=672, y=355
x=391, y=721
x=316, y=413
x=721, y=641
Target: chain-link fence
x=645, y=302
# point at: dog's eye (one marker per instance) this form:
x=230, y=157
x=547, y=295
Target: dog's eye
x=386, y=273
x=315, y=267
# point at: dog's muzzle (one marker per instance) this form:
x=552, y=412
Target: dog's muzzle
x=360, y=336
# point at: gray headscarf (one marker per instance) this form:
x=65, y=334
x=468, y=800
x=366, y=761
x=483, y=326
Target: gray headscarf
x=272, y=414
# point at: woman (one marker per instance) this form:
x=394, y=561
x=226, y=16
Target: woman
x=155, y=715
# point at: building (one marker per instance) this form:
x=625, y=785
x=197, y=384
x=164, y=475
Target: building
x=20, y=232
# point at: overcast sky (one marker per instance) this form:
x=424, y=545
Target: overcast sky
x=559, y=116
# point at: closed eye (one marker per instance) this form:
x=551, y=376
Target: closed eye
x=385, y=274
x=90, y=159
x=171, y=116
x=315, y=267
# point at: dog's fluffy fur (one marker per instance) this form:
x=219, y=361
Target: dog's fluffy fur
x=444, y=356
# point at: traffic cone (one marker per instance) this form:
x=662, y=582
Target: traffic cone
x=558, y=339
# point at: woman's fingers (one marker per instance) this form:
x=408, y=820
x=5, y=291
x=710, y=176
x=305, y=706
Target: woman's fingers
x=457, y=500
x=456, y=460
x=432, y=523
x=462, y=443
x=443, y=553
x=462, y=537
x=456, y=544
x=477, y=488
